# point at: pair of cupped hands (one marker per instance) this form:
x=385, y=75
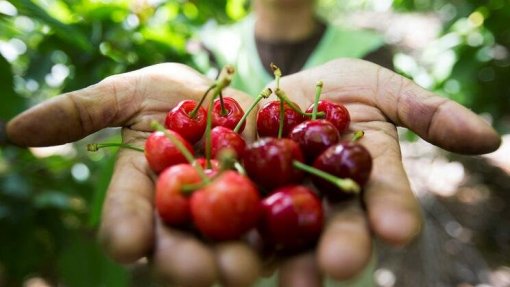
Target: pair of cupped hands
x=378, y=101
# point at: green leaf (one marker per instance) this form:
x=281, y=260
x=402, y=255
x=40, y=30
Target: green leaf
x=66, y=32
x=12, y=103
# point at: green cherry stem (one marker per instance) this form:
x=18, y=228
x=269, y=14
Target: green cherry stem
x=345, y=184
x=97, y=146
x=224, y=111
x=282, y=118
x=357, y=135
x=283, y=96
x=318, y=90
x=178, y=144
x=194, y=112
x=263, y=95
x=240, y=168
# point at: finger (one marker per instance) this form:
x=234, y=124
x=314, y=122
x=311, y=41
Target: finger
x=345, y=247
x=127, y=228
x=393, y=211
x=238, y=264
x=182, y=259
x=129, y=99
x=438, y=120
x=300, y=271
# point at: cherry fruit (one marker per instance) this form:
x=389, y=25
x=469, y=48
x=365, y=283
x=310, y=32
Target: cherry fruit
x=225, y=138
x=191, y=127
x=172, y=203
x=226, y=208
x=162, y=153
x=337, y=114
x=344, y=160
x=233, y=114
x=314, y=137
x=268, y=119
x=269, y=162
x=292, y=218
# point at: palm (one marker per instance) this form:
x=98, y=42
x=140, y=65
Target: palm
x=132, y=100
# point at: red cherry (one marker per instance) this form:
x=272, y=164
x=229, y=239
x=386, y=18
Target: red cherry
x=179, y=120
x=344, y=160
x=268, y=119
x=337, y=114
x=268, y=162
x=227, y=208
x=225, y=138
x=210, y=172
x=314, y=137
x=171, y=203
x=292, y=218
x=162, y=153
x=231, y=118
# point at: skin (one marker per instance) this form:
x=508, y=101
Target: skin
x=378, y=101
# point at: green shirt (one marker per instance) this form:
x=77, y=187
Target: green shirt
x=235, y=45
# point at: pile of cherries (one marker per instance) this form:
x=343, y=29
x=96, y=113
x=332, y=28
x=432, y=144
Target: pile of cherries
x=239, y=187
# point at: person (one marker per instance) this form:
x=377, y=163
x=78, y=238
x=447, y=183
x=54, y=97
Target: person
x=378, y=101
x=289, y=34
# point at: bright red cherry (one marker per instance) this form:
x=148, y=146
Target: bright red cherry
x=292, y=218
x=314, y=137
x=179, y=120
x=344, y=160
x=233, y=115
x=225, y=138
x=172, y=203
x=268, y=119
x=162, y=153
x=227, y=208
x=337, y=114
x=268, y=162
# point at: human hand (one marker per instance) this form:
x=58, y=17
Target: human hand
x=378, y=100
x=129, y=228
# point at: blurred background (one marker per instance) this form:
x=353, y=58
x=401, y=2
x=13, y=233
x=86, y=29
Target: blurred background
x=51, y=198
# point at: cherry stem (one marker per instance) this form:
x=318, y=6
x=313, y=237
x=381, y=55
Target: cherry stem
x=180, y=146
x=188, y=189
x=223, y=81
x=194, y=112
x=277, y=74
x=95, y=146
x=224, y=111
x=283, y=96
x=282, y=118
x=263, y=95
x=345, y=184
x=318, y=90
x=357, y=136
x=240, y=168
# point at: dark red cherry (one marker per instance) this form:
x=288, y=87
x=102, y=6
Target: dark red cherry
x=179, y=120
x=337, y=114
x=314, y=137
x=172, y=203
x=225, y=138
x=268, y=162
x=268, y=119
x=226, y=208
x=233, y=115
x=292, y=218
x=161, y=153
x=344, y=160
